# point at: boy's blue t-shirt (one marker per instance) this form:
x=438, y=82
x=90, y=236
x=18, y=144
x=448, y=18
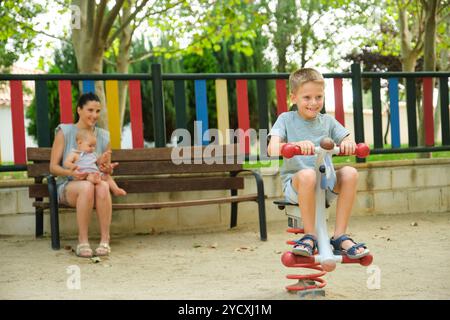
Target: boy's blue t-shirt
x=292, y=127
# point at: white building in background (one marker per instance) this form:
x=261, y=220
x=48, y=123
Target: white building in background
x=6, y=137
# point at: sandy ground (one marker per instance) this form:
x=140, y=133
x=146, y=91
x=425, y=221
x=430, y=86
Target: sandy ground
x=413, y=261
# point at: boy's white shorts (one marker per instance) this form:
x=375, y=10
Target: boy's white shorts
x=291, y=195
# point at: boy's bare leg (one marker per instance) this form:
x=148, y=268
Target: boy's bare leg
x=113, y=186
x=304, y=182
x=346, y=183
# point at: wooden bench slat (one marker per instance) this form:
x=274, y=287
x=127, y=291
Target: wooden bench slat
x=38, y=169
x=175, y=184
x=148, y=167
x=168, y=204
x=146, y=154
x=182, y=184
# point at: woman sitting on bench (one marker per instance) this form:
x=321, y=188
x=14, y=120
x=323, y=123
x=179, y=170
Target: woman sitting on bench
x=73, y=188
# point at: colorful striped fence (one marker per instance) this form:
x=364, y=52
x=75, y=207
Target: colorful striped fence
x=222, y=84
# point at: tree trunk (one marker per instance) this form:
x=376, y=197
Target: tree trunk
x=123, y=61
x=89, y=53
x=409, y=58
x=306, y=31
x=430, y=8
x=285, y=15
x=443, y=66
x=408, y=55
x=430, y=35
x=409, y=62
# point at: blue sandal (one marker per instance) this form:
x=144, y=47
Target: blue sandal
x=351, y=252
x=306, y=250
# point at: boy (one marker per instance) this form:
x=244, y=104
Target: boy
x=85, y=160
x=305, y=127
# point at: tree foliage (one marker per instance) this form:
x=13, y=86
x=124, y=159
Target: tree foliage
x=16, y=30
x=63, y=62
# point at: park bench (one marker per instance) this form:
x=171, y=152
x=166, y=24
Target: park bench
x=152, y=170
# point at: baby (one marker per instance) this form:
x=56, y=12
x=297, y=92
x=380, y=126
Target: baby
x=85, y=160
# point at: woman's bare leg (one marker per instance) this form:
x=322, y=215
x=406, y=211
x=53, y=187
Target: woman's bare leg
x=103, y=207
x=80, y=194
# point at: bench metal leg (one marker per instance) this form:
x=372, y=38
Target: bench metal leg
x=234, y=208
x=39, y=212
x=54, y=218
x=39, y=220
x=261, y=204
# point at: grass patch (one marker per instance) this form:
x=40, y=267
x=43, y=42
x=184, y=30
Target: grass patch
x=391, y=156
x=17, y=175
x=13, y=175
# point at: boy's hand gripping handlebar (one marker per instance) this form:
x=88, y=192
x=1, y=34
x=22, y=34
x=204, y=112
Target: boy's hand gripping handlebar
x=290, y=150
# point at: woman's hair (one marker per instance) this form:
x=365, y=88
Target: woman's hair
x=84, y=99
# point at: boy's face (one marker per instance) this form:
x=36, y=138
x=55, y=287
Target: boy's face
x=87, y=145
x=309, y=98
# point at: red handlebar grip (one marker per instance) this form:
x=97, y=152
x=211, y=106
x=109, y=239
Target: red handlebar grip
x=289, y=150
x=362, y=151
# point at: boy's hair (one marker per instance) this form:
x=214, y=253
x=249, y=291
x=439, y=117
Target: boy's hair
x=301, y=76
x=84, y=134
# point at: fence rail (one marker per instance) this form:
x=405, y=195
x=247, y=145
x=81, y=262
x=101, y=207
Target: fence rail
x=157, y=79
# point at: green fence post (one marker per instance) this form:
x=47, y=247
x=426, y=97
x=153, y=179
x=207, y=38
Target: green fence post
x=411, y=111
x=263, y=113
x=180, y=105
x=358, y=117
x=445, y=128
x=376, y=114
x=42, y=112
x=159, y=122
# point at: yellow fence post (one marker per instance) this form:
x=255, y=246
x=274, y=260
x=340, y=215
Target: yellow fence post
x=223, y=121
x=112, y=106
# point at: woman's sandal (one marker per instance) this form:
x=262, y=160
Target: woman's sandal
x=103, y=249
x=302, y=248
x=350, y=252
x=83, y=250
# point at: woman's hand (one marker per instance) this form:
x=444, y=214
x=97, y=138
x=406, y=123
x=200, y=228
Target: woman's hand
x=348, y=147
x=77, y=175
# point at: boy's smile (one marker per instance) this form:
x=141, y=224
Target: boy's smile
x=309, y=99
x=313, y=109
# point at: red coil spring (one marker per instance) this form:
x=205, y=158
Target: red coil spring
x=307, y=281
